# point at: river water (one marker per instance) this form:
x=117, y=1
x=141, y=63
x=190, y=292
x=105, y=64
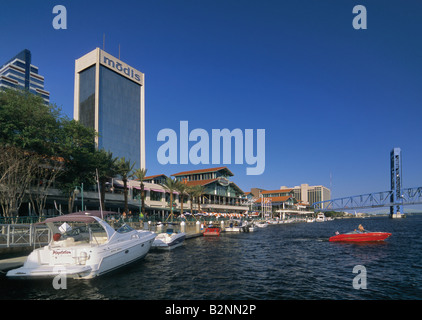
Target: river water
x=289, y=261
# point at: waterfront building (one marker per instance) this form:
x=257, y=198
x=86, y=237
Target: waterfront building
x=156, y=179
x=310, y=194
x=280, y=198
x=109, y=96
x=20, y=73
x=279, y=201
x=256, y=192
x=296, y=200
x=220, y=194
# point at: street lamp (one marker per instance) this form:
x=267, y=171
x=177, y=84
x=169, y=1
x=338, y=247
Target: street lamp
x=82, y=193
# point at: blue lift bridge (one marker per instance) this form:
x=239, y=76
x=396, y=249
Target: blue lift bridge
x=395, y=198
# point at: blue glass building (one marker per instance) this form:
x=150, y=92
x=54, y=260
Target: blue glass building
x=19, y=73
x=109, y=96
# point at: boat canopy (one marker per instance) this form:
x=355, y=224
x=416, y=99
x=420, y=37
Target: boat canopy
x=85, y=217
x=82, y=216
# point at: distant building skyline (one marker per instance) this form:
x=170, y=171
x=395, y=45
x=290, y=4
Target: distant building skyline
x=311, y=194
x=304, y=193
x=20, y=73
x=109, y=97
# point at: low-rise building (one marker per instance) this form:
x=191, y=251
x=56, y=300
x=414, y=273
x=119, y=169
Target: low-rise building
x=220, y=194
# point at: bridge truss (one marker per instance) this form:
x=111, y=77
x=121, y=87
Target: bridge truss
x=409, y=196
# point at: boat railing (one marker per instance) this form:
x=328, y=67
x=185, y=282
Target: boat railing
x=23, y=235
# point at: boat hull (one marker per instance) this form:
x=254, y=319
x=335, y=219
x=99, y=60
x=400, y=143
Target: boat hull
x=212, y=232
x=121, y=257
x=261, y=225
x=360, y=237
x=43, y=263
x=168, y=242
x=42, y=272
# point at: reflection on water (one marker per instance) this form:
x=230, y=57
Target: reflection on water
x=293, y=261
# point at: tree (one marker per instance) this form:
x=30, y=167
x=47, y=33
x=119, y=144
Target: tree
x=191, y=191
x=28, y=123
x=77, y=147
x=16, y=171
x=107, y=167
x=60, y=149
x=182, y=189
x=199, y=192
x=140, y=175
x=44, y=175
x=29, y=134
x=171, y=185
x=125, y=171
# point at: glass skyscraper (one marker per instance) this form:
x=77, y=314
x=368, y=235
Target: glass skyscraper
x=19, y=73
x=109, y=96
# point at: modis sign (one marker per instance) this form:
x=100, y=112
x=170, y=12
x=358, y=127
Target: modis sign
x=120, y=67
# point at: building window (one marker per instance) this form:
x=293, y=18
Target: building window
x=119, y=115
x=87, y=97
x=155, y=196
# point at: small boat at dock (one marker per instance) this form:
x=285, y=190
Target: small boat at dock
x=359, y=236
x=236, y=225
x=212, y=230
x=84, y=246
x=320, y=217
x=261, y=224
x=169, y=240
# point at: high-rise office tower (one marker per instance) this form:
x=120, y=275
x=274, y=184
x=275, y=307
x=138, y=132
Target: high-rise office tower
x=109, y=96
x=19, y=73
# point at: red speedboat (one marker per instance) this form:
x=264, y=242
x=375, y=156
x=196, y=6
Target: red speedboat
x=212, y=231
x=357, y=236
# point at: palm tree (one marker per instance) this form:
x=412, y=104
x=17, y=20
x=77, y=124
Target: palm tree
x=182, y=189
x=200, y=191
x=191, y=191
x=140, y=174
x=124, y=170
x=107, y=168
x=171, y=185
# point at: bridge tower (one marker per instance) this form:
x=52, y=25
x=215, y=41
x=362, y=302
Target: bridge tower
x=396, y=210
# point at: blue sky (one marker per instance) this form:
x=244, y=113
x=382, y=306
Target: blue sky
x=333, y=100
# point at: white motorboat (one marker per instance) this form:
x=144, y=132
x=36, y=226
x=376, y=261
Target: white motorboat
x=320, y=217
x=261, y=224
x=236, y=225
x=84, y=246
x=251, y=227
x=169, y=240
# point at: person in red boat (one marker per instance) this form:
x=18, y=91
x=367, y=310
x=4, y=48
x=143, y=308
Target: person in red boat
x=361, y=228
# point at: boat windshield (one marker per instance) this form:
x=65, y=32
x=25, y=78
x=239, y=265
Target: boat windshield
x=124, y=228
x=67, y=234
